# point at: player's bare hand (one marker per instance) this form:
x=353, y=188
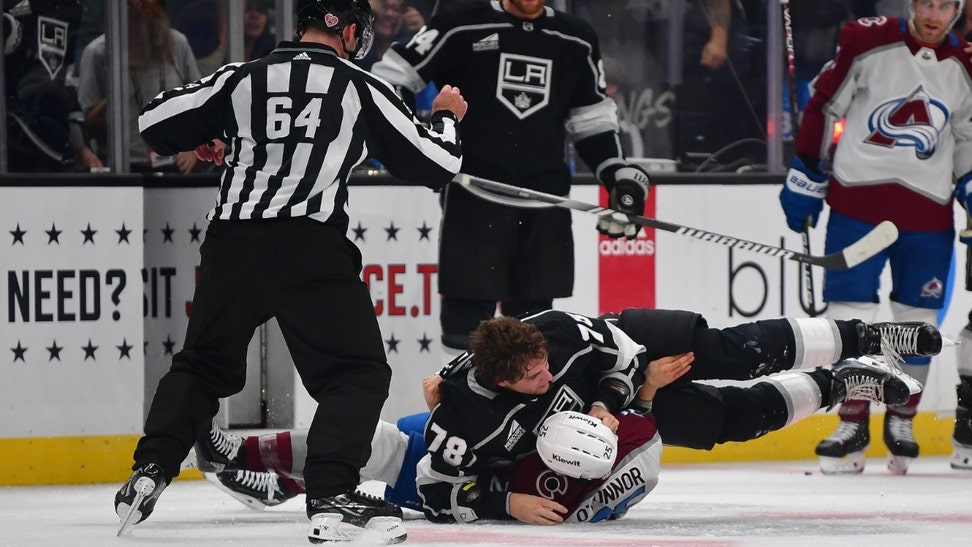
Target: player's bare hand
x=606, y=417
x=536, y=510
x=714, y=54
x=412, y=19
x=185, y=161
x=430, y=389
x=211, y=151
x=968, y=50
x=450, y=99
x=664, y=371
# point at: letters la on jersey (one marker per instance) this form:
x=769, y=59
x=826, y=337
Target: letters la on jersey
x=531, y=70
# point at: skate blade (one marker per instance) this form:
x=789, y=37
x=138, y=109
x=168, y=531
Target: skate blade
x=326, y=527
x=961, y=458
x=129, y=519
x=898, y=465
x=850, y=464
x=385, y=531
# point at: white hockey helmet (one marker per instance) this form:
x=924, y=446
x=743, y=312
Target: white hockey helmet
x=577, y=445
x=960, y=13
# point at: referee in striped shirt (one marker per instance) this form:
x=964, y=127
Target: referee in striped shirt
x=290, y=127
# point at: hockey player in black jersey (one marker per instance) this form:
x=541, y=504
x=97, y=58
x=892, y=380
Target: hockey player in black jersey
x=289, y=128
x=485, y=428
x=533, y=76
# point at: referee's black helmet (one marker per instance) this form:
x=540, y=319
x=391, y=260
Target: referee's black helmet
x=334, y=15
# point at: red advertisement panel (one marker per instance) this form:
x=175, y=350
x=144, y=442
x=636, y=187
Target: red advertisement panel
x=626, y=267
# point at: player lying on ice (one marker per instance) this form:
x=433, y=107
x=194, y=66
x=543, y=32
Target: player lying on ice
x=635, y=373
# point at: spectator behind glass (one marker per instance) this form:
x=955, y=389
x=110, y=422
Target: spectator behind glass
x=258, y=36
x=203, y=22
x=43, y=132
x=159, y=58
x=395, y=21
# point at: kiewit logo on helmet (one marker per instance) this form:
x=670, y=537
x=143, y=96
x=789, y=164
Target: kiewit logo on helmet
x=559, y=458
x=331, y=20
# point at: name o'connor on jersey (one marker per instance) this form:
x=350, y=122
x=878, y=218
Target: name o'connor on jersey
x=613, y=496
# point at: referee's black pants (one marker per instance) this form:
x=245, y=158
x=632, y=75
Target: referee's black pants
x=307, y=275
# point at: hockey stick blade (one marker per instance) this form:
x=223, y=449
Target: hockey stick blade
x=873, y=242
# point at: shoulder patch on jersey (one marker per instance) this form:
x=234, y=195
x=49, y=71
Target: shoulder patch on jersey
x=302, y=56
x=489, y=43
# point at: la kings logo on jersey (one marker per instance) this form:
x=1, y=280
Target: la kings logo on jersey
x=565, y=399
x=52, y=38
x=523, y=83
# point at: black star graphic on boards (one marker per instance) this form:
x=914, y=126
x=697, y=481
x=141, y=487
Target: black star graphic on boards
x=124, y=349
x=392, y=344
x=89, y=351
x=145, y=347
x=169, y=346
x=19, y=352
x=53, y=234
x=18, y=235
x=359, y=232
x=424, y=343
x=55, y=351
x=392, y=232
x=194, y=233
x=123, y=233
x=424, y=231
x=167, y=233
x=144, y=233
x=88, y=234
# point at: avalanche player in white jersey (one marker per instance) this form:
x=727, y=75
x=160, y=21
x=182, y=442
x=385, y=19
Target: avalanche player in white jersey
x=904, y=89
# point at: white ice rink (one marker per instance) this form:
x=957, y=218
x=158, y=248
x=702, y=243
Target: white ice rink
x=780, y=503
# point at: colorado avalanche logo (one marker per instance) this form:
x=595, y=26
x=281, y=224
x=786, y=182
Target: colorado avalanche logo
x=330, y=20
x=916, y=121
x=933, y=289
x=550, y=485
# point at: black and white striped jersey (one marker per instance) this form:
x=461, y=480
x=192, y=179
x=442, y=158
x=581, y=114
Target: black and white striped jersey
x=296, y=122
x=528, y=83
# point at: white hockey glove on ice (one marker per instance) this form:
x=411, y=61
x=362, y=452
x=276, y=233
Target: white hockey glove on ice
x=628, y=185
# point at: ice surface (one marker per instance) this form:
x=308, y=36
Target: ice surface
x=778, y=503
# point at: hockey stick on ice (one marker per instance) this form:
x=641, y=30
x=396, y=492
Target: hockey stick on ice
x=873, y=242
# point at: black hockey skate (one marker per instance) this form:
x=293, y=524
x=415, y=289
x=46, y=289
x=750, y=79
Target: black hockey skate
x=255, y=489
x=219, y=451
x=905, y=339
x=962, y=434
x=380, y=521
x=136, y=499
x=900, y=440
x=843, y=451
x=868, y=378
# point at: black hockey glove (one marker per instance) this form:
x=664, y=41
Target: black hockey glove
x=628, y=185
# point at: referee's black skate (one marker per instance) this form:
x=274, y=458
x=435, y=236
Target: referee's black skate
x=136, y=499
x=219, y=451
x=904, y=339
x=375, y=519
x=255, y=489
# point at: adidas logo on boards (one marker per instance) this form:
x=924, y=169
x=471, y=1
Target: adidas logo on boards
x=489, y=43
x=302, y=56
